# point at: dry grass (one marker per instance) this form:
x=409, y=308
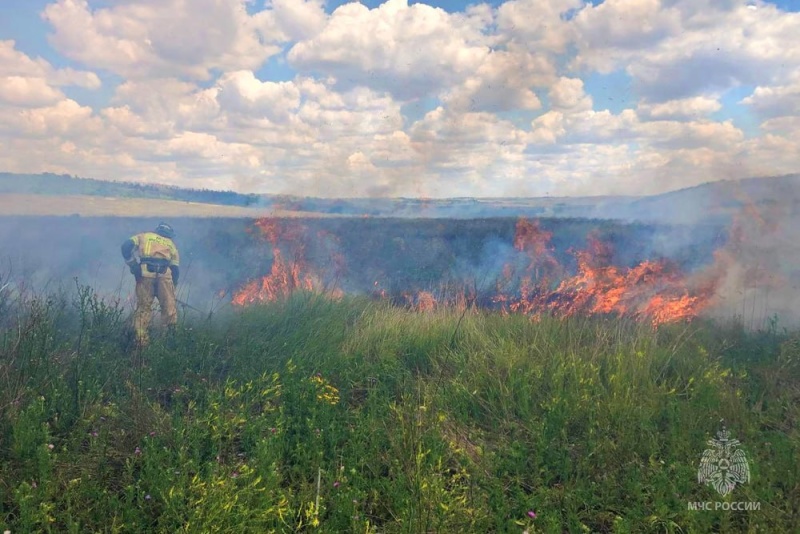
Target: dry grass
x=91, y=206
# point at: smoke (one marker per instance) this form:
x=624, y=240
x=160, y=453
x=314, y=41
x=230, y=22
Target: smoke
x=751, y=228
x=760, y=276
x=47, y=254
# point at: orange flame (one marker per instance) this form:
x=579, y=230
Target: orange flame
x=287, y=275
x=423, y=301
x=652, y=290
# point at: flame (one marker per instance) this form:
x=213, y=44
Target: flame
x=654, y=290
x=423, y=301
x=455, y=296
x=534, y=242
x=378, y=291
x=289, y=272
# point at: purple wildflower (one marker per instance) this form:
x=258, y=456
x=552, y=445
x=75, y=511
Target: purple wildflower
x=531, y=514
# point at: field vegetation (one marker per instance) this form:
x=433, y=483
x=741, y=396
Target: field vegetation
x=353, y=415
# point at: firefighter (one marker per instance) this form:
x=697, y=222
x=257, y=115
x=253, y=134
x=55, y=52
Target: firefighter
x=156, y=271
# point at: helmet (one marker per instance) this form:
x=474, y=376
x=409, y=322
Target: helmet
x=165, y=230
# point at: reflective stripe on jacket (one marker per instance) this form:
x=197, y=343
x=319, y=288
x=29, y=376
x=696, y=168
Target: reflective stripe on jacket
x=161, y=250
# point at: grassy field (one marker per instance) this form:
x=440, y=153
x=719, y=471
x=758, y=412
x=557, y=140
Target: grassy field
x=94, y=206
x=355, y=416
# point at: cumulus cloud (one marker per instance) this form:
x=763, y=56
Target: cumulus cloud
x=567, y=95
x=29, y=82
x=685, y=108
x=406, y=99
x=17, y=64
x=169, y=37
x=541, y=25
x=299, y=19
x=665, y=45
x=411, y=51
x=26, y=92
x=461, y=149
x=788, y=125
x=503, y=81
x=776, y=100
x=243, y=92
x=589, y=126
x=613, y=31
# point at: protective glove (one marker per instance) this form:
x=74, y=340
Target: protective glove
x=136, y=270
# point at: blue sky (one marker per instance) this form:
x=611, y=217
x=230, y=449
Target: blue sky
x=575, y=98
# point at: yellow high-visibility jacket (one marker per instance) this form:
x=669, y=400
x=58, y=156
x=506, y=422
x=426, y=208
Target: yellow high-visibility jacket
x=158, y=254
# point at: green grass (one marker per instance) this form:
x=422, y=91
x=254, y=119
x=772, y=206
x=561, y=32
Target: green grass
x=355, y=416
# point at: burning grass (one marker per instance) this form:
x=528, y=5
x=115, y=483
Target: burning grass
x=290, y=270
x=654, y=291
x=352, y=415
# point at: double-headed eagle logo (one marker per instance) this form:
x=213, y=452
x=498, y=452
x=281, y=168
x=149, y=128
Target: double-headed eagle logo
x=724, y=466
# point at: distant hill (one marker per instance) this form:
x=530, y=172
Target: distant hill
x=62, y=185
x=13, y=204
x=714, y=200
x=710, y=202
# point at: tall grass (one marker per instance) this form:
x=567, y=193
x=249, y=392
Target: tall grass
x=356, y=416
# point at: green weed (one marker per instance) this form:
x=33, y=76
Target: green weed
x=356, y=416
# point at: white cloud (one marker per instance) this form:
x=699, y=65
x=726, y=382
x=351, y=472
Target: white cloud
x=66, y=117
x=242, y=92
x=410, y=51
x=299, y=19
x=406, y=99
x=393, y=149
x=130, y=124
x=170, y=105
x=503, y=81
x=461, y=151
x=609, y=32
x=15, y=63
x=688, y=135
x=567, y=95
x=547, y=128
x=787, y=126
x=589, y=126
x=776, y=100
x=537, y=24
x=28, y=92
x=685, y=108
x=362, y=112
x=169, y=37
x=656, y=155
x=604, y=127
x=210, y=149
x=664, y=45
x=29, y=82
